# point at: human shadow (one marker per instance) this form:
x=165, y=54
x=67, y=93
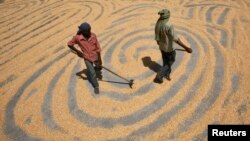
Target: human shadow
x=84, y=71
x=152, y=65
x=79, y=74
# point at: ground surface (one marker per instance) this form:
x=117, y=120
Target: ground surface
x=42, y=98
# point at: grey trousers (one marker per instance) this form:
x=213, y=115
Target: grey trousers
x=92, y=72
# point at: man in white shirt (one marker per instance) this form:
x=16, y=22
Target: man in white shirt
x=165, y=37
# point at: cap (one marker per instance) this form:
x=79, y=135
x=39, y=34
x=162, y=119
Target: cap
x=84, y=27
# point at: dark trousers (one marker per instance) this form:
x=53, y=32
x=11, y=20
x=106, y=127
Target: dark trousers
x=93, y=72
x=168, y=60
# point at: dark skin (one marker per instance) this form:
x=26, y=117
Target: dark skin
x=79, y=53
x=180, y=43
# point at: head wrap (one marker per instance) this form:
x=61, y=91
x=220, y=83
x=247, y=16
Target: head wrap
x=164, y=14
x=163, y=19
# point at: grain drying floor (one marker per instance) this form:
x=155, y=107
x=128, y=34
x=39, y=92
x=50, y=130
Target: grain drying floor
x=42, y=98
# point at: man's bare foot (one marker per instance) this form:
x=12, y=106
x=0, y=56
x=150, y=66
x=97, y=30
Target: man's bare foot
x=168, y=78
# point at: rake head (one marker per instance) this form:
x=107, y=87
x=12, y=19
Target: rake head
x=131, y=82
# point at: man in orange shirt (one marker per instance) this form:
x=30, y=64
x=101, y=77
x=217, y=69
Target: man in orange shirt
x=90, y=52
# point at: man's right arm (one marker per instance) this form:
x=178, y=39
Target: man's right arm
x=71, y=44
x=179, y=42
